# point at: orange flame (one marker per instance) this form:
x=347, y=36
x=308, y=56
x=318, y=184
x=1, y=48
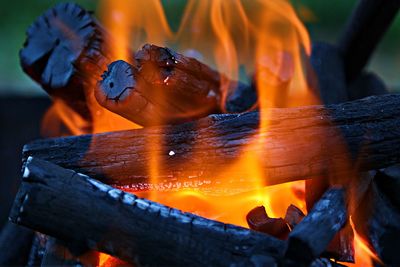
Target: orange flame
x=272, y=43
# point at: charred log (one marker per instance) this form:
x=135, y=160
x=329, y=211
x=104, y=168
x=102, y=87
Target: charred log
x=312, y=235
x=165, y=87
x=65, y=53
x=130, y=228
x=365, y=28
x=191, y=151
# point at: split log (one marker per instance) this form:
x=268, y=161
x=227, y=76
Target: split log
x=312, y=235
x=133, y=229
x=302, y=143
x=365, y=28
x=65, y=52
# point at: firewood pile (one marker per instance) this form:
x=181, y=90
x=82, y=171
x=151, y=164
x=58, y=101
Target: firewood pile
x=71, y=185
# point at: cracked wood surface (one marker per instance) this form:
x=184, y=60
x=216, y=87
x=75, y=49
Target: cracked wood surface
x=300, y=143
x=73, y=207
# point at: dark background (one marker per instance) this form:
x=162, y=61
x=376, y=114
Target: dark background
x=22, y=102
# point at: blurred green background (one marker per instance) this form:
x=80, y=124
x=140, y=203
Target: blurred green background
x=324, y=19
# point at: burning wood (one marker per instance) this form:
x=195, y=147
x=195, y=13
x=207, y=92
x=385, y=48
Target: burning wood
x=133, y=229
x=164, y=87
x=369, y=127
x=64, y=52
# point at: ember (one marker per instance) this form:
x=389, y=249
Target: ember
x=234, y=152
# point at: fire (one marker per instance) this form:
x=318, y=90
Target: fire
x=271, y=45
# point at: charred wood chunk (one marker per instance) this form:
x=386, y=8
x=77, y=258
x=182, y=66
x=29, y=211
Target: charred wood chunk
x=163, y=87
x=366, y=84
x=368, y=127
x=133, y=229
x=293, y=216
x=65, y=50
x=313, y=234
x=258, y=220
x=365, y=28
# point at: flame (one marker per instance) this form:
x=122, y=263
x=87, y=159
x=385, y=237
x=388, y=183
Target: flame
x=263, y=37
x=364, y=255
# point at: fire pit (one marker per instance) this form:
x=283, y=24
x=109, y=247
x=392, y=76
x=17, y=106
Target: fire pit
x=166, y=157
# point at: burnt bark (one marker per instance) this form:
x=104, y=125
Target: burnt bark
x=301, y=143
x=130, y=228
x=365, y=28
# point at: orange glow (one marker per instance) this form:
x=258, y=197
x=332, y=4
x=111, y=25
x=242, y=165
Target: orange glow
x=264, y=37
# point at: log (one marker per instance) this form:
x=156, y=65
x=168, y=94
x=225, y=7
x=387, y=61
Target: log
x=302, y=143
x=312, y=235
x=364, y=30
x=130, y=228
x=165, y=87
x=65, y=52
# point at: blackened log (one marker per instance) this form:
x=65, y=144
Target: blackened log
x=164, y=87
x=302, y=143
x=377, y=221
x=65, y=52
x=312, y=235
x=15, y=245
x=130, y=228
x=365, y=28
